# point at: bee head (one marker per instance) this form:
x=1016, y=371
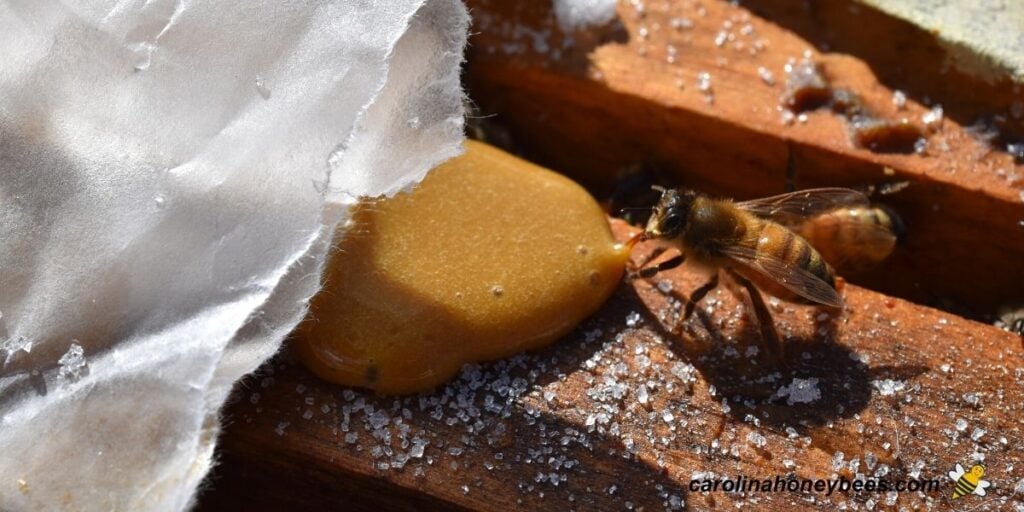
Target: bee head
x=978, y=470
x=670, y=214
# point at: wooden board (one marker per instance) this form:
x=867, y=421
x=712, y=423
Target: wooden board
x=593, y=105
x=905, y=390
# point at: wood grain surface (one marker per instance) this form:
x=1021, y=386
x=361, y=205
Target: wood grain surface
x=634, y=405
x=624, y=412
x=595, y=103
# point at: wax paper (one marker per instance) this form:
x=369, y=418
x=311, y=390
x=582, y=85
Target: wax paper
x=171, y=175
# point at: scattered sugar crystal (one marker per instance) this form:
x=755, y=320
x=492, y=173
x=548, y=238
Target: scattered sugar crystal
x=667, y=416
x=788, y=463
x=800, y=391
x=675, y=502
x=704, y=82
x=1019, y=488
x=280, y=427
x=665, y=286
x=961, y=424
x=379, y=419
x=899, y=99
x=933, y=116
x=721, y=37
x=307, y=415
x=888, y=387
x=756, y=439
x=12, y=346
x=972, y=398
x=72, y=364
x=766, y=75
x=351, y=437
x=945, y=367
x=837, y=461
x=1017, y=150
x=681, y=23
x=915, y=470
x=976, y=435
x=891, y=497
x=576, y=15
x=418, y=446
x=632, y=319
x=684, y=372
x=641, y=394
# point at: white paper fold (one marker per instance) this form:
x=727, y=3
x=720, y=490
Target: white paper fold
x=171, y=173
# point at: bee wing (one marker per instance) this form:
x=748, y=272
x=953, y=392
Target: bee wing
x=793, y=278
x=956, y=473
x=793, y=207
x=980, y=489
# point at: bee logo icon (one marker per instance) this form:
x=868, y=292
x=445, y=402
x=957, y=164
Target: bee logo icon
x=968, y=482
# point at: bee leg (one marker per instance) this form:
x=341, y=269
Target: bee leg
x=658, y=251
x=769, y=336
x=699, y=294
x=651, y=271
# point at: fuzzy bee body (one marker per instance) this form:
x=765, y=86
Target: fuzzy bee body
x=718, y=229
x=754, y=243
x=853, y=238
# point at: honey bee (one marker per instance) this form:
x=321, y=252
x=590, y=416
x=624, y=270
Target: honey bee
x=853, y=237
x=750, y=241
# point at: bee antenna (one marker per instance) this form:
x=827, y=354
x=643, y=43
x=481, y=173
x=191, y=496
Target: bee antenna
x=658, y=188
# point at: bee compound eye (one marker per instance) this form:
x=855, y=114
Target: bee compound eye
x=671, y=222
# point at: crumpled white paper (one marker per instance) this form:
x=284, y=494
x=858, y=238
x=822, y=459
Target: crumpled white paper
x=171, y=173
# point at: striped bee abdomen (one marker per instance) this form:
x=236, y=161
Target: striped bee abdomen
x=963, y=487
x=777, y=242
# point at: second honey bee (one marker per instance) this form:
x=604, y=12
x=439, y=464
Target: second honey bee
x=855, y=238
x=750, y=240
